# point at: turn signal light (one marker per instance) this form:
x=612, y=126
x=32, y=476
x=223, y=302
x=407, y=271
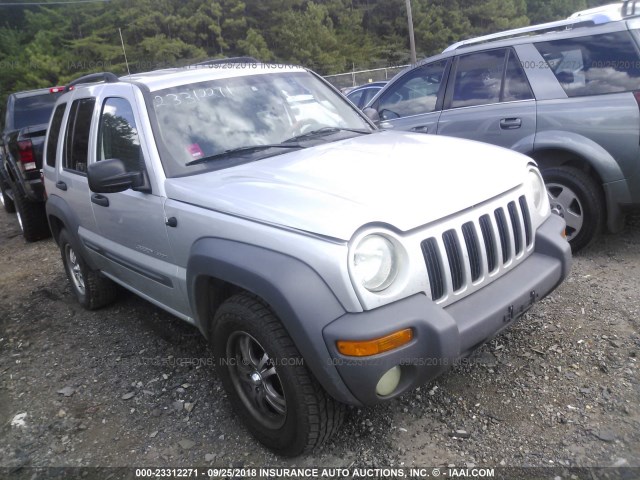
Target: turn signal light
x=366, y=348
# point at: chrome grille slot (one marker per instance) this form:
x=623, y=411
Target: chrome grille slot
x=516, y=227
x=503, y=232
x=434, y=268
x=454, y=256
x=524, y=208
x=489, y=242
x=473, y=249
x=462, y=256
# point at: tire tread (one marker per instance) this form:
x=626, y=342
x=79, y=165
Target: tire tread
x=324, y=415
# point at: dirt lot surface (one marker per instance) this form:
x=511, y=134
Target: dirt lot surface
x=129, y=385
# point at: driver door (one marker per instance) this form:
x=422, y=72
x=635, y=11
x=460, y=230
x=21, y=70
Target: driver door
x=414, y=102
x=132, y=244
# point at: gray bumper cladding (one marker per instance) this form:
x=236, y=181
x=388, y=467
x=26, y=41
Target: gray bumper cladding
x=444, y=335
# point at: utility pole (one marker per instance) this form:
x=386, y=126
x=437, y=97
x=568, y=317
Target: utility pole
x=412, y=39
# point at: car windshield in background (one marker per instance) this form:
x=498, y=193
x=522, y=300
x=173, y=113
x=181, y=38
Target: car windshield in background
x=34, y=110
x=215, y=124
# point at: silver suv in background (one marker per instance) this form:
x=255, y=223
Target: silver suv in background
x=565, y=93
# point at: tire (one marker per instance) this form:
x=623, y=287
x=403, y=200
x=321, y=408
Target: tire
x=6, y=201
x=577, y=198
x=32, y=218
x=91, y=288
x=279, y=400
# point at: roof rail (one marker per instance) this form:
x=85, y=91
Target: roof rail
x=220, y=61
x=568, y=24
x=630, y=8
x=106, y=77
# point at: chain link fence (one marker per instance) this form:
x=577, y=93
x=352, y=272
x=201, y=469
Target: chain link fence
x=353, y=79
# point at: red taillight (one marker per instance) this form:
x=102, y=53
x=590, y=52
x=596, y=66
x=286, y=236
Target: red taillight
x=56, y=89
x=637, y=95
x=25, y=152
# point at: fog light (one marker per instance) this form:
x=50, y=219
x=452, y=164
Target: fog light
x=388, y=382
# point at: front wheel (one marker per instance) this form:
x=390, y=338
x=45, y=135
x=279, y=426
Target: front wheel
x=91, y=288
x=270, y=388
x=577, y=198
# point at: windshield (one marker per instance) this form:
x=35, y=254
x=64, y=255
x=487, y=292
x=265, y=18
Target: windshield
x=214, y=124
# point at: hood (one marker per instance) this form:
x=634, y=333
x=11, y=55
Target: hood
x=400, y=179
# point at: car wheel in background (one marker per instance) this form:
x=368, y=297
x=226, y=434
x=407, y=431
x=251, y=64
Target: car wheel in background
x=576, y=197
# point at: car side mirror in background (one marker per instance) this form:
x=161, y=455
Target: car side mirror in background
x=111, y=176
x=373, y=115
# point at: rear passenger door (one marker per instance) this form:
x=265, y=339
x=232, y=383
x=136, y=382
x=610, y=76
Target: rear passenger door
x=71, y=183
x=489, y=99
x=414, y=101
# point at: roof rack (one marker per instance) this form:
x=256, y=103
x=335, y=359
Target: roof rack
x=221, y=61
x=630, y=8
x=586, y=18
x=106, y=77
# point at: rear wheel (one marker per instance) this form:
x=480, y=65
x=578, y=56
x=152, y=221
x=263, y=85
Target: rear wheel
x=576, y=197
x=32, y=218
x=280, y=401
x=91, y=288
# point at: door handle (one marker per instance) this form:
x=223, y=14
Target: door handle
x=100, y=200
x=62, y=186
x=510, y=123
x=421, y=129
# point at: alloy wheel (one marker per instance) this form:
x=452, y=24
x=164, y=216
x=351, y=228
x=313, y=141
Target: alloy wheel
x=254, y=376
x=565, y=202
x=74, y=268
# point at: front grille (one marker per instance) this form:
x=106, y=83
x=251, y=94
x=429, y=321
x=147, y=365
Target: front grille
x=466, y=254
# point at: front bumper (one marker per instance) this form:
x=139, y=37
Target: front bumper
x=443, y=335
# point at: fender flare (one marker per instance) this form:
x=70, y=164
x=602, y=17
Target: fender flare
x=597, y=157
x=297, y=294
x=57, y=207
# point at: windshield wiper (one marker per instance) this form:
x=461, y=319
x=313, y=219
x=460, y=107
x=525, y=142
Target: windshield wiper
x=321, y=132
x=248, y=149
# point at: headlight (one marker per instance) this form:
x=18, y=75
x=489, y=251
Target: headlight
x=375, y=265
x=538, y=189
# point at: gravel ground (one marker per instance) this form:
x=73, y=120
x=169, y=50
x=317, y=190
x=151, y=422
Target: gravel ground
x=117, y=387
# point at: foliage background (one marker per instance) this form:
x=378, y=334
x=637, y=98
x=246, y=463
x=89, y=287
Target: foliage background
x=42, y=46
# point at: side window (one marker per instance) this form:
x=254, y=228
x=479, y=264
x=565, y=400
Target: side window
x=76, y=144
x=594, y=65
x=118, y=134
x=478, y=78
x=369, y=93
x=415, y=94
x=516, y=85
x=54, y=134
x=356, y=97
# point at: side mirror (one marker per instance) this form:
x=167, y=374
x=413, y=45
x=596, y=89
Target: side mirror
x=111, y=176
x=373, y=115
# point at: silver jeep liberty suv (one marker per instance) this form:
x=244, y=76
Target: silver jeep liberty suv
x=327, y=262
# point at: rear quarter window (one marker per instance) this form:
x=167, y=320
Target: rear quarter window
x=594, y=65
x=54, y=134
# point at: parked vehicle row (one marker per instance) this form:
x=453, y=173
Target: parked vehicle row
x=566, y=94
x=330, y=262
